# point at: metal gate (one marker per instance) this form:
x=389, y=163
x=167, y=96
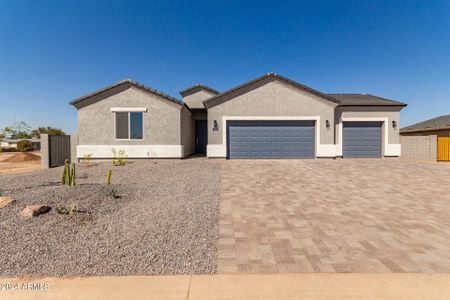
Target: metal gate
x=443, y=148
x=59, y=149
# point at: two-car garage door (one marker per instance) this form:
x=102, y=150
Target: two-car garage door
x=270, y=139
x=296, y=139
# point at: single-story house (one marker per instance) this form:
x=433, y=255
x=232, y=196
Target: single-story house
x=439, y=126
x=268, y=117
x=12, y=143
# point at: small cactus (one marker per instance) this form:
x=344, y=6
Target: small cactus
x=63, y=182
x=108, y=178
x=72, y=175
x=68, y=175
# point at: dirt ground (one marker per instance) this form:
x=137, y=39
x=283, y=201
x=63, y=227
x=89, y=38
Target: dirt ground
x=17, y=167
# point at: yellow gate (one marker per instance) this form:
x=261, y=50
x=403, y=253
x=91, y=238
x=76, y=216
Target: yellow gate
x=443, y=148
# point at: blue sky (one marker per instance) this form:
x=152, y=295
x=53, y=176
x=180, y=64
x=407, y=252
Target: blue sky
x=54, y=51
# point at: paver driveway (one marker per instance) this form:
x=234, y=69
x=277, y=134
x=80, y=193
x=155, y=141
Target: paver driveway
x=334, y=216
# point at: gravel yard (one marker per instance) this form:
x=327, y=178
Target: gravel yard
x=165, y=221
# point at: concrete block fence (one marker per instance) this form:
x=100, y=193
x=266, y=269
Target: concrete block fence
x=419, y=147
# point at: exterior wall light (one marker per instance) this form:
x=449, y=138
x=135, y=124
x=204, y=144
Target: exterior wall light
x=327, y=124
x=216, y=126
x=394, y=124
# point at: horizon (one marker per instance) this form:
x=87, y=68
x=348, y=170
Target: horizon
x=67, y=50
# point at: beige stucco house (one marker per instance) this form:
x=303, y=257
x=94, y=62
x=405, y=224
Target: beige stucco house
x=268, y=117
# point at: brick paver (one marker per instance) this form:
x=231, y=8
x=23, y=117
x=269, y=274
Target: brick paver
x=334, y=216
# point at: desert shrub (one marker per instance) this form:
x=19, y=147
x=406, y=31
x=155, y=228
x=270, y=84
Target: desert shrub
x=86, y=160
x=114, y=194
x=119, y=158
x=69, y=210
x=25, y=146
x=9, y=149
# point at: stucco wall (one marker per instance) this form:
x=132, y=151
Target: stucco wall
x=186, y=131
x=196, y=100
x=392, y=114
x=161, y=121
x=273, y=99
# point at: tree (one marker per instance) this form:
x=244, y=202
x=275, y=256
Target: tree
x=19, y=130
x=48, y=130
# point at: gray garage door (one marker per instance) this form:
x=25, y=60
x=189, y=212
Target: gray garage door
x=270, y=139
x=362, y=139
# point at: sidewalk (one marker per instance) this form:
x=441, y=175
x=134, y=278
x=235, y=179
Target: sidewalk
x=334, y=286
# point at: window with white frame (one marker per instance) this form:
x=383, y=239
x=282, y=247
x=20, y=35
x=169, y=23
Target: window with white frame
x=129, y=126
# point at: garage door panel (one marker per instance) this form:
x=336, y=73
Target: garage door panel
x=362, y=139
x=271, y=139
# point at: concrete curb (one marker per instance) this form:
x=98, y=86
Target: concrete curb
x=237, y=286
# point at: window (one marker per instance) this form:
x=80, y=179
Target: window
x=129, y=125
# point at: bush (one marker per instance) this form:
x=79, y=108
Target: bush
x=119, y=158
x=25, y=146
x=9, y=149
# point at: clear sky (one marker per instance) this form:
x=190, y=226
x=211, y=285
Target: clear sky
x=54, y=51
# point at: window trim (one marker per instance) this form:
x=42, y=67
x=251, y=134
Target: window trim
x=129, y=125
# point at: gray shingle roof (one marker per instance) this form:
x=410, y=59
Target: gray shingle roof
x=364, y=100
x=130, y=82
x=198, y=87
x=340, y=99
x=442, y=122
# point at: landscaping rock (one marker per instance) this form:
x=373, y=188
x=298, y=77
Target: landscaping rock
x=166, y=221
x=5, y=201
x=34, y=210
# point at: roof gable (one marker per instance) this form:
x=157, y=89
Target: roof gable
x=442, y=122
x=260, y=81
x=118, y=88
x=196, y=88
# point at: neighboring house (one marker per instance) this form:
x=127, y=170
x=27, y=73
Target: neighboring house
x=439, y=126
x=269, y=117
x=12, y=143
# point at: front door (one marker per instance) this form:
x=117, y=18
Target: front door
x=201, y=136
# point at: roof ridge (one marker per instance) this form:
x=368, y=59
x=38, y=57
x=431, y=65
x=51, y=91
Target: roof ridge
x=130, y=81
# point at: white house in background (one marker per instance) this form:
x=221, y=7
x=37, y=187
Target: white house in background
x=12, y=143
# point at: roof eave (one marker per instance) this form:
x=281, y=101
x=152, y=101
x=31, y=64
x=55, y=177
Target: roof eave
x=422, y=130
x=374, y=105
x=132, y=83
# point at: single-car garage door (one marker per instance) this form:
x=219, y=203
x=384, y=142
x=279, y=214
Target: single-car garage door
x=362, y=139
x=270, y=139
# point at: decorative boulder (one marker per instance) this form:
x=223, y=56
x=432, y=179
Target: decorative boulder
x=34, y=210
x=5, y=201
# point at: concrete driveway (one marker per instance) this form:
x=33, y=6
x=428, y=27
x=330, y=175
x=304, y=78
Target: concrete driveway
x=334, y=216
